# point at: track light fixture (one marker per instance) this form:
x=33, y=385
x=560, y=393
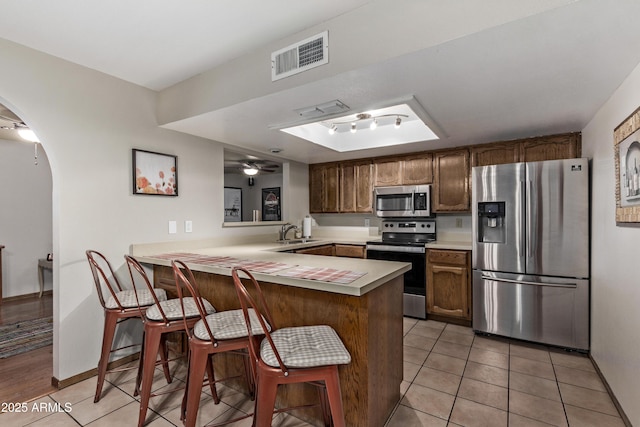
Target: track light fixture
x=374, y=122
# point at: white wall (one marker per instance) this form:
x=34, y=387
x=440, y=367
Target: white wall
x=615, y=287
x=25, y=217
x=88, y=123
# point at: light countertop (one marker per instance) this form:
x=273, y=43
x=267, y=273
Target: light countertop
x=377, y=272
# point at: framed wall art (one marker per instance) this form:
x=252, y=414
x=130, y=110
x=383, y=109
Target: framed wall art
x=232, y=204
x=154, y=173
x=626, y=140
x=271, y=204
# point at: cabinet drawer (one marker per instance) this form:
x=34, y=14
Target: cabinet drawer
x=350, y=251
x=447, y=257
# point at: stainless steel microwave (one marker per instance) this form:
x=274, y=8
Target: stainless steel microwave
x=402, y=201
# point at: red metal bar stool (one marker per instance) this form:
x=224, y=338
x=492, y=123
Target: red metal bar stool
x=215, y=333
x=309, y=354
x=160, y=319
x=119, y=304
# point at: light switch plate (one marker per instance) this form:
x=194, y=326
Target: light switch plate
x=173, y=227
x=188, y=226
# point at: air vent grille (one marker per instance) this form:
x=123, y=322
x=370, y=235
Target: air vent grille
x=300, y=57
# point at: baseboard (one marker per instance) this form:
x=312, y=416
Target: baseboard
x=624, y=417
x=60, y=384
x=25, y=296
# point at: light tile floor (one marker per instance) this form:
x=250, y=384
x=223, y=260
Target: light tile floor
x=451, y=378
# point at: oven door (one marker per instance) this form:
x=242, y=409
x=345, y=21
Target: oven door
x=415, y=283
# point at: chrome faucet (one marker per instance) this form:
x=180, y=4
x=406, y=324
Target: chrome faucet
x=285, y=229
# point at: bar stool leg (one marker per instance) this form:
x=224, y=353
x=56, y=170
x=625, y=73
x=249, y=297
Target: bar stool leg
x=152, y=345
x=335, y=400
x=265, y=401
x=198, y=362
x=110, y=323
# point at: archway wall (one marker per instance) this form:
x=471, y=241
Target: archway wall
x=88, y=123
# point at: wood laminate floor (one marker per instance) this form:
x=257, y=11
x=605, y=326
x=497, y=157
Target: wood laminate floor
x=28, y=375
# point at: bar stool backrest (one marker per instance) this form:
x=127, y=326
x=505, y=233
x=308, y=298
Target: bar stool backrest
x=136, y=270
x=262, y=310
x=104, y=277
x=186, y=283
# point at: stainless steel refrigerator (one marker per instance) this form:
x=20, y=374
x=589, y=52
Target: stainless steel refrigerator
x=531, y=251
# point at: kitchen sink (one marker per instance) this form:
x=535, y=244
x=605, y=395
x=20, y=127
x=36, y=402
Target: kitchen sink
x=294, y=241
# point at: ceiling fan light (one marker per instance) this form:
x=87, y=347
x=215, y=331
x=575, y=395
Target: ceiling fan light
x=250, y=171
x=28, y=134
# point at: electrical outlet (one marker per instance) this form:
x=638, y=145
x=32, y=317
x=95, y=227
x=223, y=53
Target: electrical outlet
x=367, y=222
x=188, y=226
x=173, y=227
x=458, y=222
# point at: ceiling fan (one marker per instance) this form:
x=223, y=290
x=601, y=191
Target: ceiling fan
x=251, y=167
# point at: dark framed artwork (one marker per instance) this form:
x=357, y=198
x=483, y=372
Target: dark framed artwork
x=154, y=173
x=271, y=204
x=232, y=204
x=626, y=141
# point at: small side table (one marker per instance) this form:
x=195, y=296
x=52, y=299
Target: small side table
x=43, y=264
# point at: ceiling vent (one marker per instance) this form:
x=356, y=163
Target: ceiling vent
x=301, y=56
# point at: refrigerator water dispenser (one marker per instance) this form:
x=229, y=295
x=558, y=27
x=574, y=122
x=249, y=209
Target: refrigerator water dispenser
x=491, y=226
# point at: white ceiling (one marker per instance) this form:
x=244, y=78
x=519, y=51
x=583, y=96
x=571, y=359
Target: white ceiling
x=544, y=71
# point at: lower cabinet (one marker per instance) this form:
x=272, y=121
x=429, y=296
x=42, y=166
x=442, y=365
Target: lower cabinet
x=338, y=249
x=449, y=285
x=326, y=250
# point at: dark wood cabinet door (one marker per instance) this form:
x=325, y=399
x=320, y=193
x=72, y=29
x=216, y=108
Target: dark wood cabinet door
x=327, y=250
x=387, y=172
x=451, y=185
x=448, y=283
x=495, y=154
x=554, y=147
x=348, y=182
x=363, y=188
x=316, y=184
x=417, y=169
x=331, y=202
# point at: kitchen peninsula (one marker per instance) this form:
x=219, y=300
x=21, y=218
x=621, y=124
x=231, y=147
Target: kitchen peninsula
x=361, y=299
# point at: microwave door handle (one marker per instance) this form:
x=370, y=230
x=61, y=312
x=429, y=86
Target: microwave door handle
x=413, y=201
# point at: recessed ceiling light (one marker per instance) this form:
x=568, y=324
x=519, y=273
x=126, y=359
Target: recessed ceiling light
x=369, y=129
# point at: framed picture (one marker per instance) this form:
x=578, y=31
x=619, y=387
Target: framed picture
x=232, y=204
x=271, y=204
x=626, y=140
x=154, y=173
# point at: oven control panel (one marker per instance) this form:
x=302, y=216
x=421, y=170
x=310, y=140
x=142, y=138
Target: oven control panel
x=411, y=226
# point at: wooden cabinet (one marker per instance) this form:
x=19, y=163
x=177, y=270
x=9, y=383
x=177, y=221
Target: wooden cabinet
x=404, y=170
x=417, y=169
x=324, y=188
x=449, y=284
x=356, y=187
x=326, y=250
x=495, y=154
x=387, y=172
x=451, y=184
x=350, y=251
x=554, y=147
x=551, y=147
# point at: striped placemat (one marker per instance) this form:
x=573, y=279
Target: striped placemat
x=322, y=274
x=227, y=262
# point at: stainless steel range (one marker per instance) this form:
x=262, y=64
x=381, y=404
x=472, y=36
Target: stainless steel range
x=404, y=240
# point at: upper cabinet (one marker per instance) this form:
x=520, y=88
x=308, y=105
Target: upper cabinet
x=341, y=187
x=348, y=186
x=552, y=147
x=356, y=188
x=404, y=170
x=451, y=184
x=323, y=188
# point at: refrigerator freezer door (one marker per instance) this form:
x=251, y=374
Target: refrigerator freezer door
x=500, y=183
x=546, y=310
x=557, y=218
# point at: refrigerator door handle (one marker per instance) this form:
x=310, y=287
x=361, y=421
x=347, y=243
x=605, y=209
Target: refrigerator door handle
x=523, y=226
x=529, y=219
x=522, y=282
